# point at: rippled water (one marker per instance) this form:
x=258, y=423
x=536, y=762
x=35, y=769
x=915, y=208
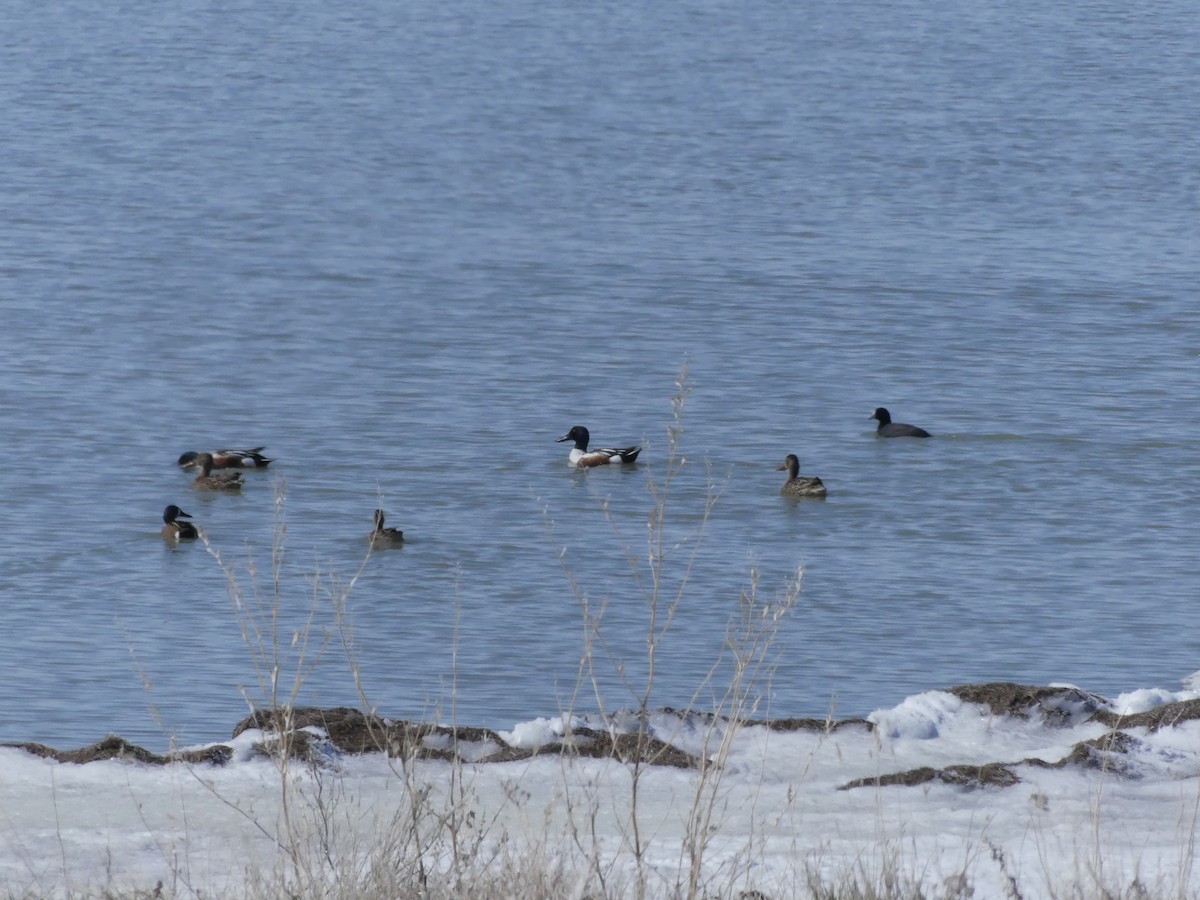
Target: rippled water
x=407, y=246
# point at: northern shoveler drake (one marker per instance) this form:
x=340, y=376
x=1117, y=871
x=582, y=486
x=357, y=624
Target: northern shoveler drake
x=207, y=481
x=795, y=486
x=229, y=459
x=175, y=530
x=888, y=428
x=581, y=456
x=384, y=537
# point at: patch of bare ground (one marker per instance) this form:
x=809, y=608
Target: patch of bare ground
x=1107, y=752
x=822, y=726
x=1104, y=752
x=1164, y=716
x=987, y=775
x=352, y=731
x=118, y=748
x=1059, y=705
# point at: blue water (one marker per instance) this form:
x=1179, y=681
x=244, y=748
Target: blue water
x=406, y=246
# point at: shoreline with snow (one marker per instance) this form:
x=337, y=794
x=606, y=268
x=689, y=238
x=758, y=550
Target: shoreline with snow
x=318, y=735
x=980, y=790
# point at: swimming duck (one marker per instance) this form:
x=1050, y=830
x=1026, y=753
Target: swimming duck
x=796, y=486
x=581, y=456
x=229, y=459
x=888, y=428
x=384, y=537
x=206, y=481
x=174, y=530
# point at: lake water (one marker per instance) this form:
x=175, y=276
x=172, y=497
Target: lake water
x=406, y=246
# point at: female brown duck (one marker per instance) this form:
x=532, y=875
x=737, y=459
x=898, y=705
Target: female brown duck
x=796, y=486
x=207, y=481
x=384, y=537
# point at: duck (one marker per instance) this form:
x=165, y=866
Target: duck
x=795, y=486
x=206, y=481
x=584, y=458
x=174, y=530
x=229, y=459
x=384, y=537
x=888, y=428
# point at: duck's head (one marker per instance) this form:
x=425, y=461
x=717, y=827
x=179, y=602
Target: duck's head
x=173, y=512
x=578, y=434
x=204, y=462
x=882, y=415
x=791, y=465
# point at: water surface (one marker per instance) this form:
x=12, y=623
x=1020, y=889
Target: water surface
x=407, y=247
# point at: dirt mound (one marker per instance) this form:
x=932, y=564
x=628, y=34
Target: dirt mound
x=118, y=748
x=1057, y=704
x=987, y=775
